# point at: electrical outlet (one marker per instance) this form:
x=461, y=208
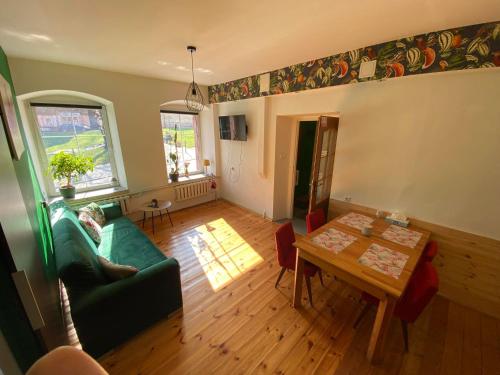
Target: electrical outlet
x=347, y=198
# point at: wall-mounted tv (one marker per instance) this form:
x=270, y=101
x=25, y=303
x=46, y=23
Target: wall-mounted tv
x=233, y=127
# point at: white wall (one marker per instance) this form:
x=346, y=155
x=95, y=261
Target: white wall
x=426, y=145
x=241, y=180
x=136, y=101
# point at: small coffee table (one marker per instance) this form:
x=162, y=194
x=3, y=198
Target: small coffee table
x=162, y=205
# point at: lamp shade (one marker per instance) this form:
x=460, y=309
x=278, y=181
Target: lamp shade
x=206, y=163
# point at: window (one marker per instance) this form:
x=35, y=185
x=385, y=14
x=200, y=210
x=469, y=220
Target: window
x=80, y=130
x=188, y=140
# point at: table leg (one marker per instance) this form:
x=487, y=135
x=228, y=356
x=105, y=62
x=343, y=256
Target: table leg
x=299, y=276
x=161, y=217
x=143, y=219
x=380, y=328
x=153, y=220
x=169, y=218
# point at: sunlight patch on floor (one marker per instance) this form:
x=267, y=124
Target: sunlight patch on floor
x=223, y=254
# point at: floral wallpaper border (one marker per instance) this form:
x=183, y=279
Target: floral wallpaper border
x=469, y=47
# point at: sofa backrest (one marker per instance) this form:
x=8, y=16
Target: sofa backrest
x=75, y=252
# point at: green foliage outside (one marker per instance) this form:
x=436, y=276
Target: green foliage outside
x=64, y=166
x=185, y=137
x=90, y=142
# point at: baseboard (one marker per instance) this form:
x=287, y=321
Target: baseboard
x=246, y=209
x=468, y=264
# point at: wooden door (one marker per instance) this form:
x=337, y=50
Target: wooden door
x=323, y=159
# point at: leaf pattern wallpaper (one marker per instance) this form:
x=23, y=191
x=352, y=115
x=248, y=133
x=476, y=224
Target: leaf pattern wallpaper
x=469, y=47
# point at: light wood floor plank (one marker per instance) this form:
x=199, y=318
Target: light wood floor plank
x=245, y=325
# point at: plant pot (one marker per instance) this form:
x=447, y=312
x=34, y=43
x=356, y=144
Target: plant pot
x=174, y=177
x=67, y=192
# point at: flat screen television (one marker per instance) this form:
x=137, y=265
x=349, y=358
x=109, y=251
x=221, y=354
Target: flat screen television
x=233, y=127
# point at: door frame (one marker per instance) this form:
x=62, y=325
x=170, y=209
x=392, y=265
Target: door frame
x=294, y=150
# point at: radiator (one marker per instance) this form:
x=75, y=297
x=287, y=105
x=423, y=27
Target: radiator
x=189, y=191
x=121, y=199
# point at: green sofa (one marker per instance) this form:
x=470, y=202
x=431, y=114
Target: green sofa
x=106, y=314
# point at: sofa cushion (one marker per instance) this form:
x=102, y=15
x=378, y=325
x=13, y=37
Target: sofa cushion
x=76, y=253
x=116, y=271
x=92, y=228
x=95, y=212
x=122, y=242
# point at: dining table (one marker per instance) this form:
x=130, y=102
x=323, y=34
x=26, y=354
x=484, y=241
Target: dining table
x=380, y=263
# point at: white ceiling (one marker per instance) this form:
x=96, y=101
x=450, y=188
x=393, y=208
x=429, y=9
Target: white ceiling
x=235, y=38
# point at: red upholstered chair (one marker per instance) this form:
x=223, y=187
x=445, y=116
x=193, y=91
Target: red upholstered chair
x=430, y=251
x=422, y=286
x=315, y=219
x=285, y=237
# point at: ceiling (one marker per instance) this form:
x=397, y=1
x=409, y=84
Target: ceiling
x=235, y=38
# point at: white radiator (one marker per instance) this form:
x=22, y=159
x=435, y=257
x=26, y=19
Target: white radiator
x=189, y=191
x=121, y=199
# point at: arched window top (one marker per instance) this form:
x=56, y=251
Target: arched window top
x=58, y=96
x=76, y=123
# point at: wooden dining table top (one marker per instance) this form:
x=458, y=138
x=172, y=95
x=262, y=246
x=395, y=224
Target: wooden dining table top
x=347, y=259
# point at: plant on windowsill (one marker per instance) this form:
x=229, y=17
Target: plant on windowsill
x=174, y=160
x=65, y=166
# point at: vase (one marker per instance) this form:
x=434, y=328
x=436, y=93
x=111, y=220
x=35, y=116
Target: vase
x=67, y=192
x=174, y=177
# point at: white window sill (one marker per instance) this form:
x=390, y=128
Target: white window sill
x=100, y=194
x=190, y=179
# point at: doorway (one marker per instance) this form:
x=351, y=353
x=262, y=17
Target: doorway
x=316, y=142
x=303, y=168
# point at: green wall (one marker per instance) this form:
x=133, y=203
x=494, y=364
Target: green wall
x=13, y=321
x=30, y=187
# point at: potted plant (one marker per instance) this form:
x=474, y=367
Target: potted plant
x=174, y=160
x=174, y=171
x=65, y=166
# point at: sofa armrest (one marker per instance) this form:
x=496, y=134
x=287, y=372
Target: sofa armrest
x=109, y=314
x=112, y=210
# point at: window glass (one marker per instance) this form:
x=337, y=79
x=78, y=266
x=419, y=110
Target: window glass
x=79, y=131
x=188, y=141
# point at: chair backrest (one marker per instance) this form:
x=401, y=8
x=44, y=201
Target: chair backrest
x=422, y=286
x=285, y=237
x=315, y=219
x=430, y=251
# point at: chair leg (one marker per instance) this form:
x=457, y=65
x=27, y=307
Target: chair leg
x=309, y=291
x=361, y=315
x=404, y=327
x=320, y=277
x=282, y=272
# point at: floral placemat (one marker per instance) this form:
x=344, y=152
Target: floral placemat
x=355, y=220
x=333, y=240
x=402, y=236
x=383, y=259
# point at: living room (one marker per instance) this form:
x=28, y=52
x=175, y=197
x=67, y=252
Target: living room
x=211, y=153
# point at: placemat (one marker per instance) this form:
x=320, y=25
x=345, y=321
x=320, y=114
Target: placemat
x=402, y=236
x=355, y=220
x=333, y=240
x=383, y=259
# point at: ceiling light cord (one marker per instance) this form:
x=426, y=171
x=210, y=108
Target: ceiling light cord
x=192, y=65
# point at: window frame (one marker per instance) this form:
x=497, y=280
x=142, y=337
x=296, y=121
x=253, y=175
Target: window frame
x=42, y=155
x=198, y=145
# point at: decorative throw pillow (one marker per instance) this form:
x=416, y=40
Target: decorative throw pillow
x=116, y=271
x=95, y=212
x=91, y=227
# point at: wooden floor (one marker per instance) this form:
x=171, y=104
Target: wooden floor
x=234, y=320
